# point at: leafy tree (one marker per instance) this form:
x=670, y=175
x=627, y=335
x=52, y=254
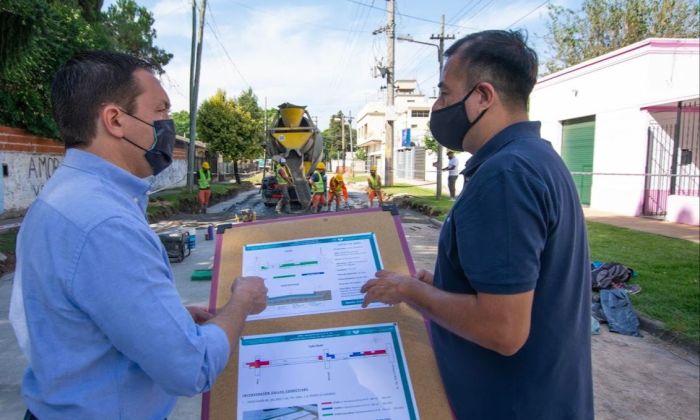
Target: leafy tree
x=332, y=137
x=130, y=29
x=430, y=142
x=361, y=154
x=49, y=32
x=606, y=25
x=38, y=36
x=228, y=129
x=248, y=101
x=17, y=18
x=182, y=122
x=91, y=9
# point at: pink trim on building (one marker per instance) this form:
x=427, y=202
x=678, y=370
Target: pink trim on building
x=669, y=108
x=692, y=45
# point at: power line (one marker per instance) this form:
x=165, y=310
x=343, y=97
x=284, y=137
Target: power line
x=423, y=53
x=406, y=16
x=216, y=36
x=329, y=28
x=351, y=40
x=475, y=14
x=529, y=13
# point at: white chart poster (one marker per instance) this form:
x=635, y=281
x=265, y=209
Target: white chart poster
x=356, y=373
x=313, y=275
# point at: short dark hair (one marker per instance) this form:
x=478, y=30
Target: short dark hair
x=86, y=82
x=501, y=58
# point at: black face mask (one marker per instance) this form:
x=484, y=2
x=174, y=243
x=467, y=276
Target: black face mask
x=450, y=124
x=160, y=155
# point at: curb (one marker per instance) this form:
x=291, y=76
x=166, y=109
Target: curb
x=7, y=227
x=659, y=330
x=652, y=326
x=436, y=222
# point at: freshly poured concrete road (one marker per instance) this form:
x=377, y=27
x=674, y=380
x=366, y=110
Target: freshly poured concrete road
x=634, y=378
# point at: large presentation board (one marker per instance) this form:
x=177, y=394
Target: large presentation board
x=391, y=344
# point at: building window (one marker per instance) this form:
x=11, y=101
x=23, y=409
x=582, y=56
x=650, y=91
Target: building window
x=420, y=113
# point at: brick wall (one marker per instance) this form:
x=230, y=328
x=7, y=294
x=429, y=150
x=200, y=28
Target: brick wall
x=28, y=161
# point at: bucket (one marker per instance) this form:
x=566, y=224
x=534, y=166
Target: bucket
x=192, y=238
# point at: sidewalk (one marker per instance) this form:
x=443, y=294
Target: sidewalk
x=643, y=224
x=633, y=377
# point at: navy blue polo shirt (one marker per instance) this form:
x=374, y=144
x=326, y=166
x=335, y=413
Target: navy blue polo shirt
x=518, y=226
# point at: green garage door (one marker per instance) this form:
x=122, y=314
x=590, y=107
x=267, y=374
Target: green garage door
x=577, y=152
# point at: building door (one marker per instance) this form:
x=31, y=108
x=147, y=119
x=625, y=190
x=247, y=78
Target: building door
x=419, y=164
x=404, y=163
x=577, y=152
x=673, y=157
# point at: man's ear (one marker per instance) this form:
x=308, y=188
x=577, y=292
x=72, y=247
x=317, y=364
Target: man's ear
x=110, y=118
x=487, y=95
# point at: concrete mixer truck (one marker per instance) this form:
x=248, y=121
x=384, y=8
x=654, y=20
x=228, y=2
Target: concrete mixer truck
x=295, y=137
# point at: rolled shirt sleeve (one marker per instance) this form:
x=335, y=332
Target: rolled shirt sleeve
x=124, y=283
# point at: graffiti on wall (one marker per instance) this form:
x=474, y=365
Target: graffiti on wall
x=40, y=170
x=27, y=173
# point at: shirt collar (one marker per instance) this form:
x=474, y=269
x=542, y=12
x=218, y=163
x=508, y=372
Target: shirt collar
x=523, y=129
x=108, y=172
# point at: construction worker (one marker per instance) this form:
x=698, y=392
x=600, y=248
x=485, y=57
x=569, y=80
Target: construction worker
x=204, y=181
x=318, y=187
x=374, y=182
x=284, y=181
x=336, y=188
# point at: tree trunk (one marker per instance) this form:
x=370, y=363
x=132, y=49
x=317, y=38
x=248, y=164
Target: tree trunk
x=236, y=175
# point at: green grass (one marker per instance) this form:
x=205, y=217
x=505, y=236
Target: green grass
x=669, y=271
x=423, y=196
x=359, y=178
x=8, y=241
x=179, y=197
x=256, y=178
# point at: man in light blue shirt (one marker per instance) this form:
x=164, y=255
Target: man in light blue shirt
x=94, y=305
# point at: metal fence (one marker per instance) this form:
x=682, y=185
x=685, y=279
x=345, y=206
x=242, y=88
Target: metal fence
x=673, y=161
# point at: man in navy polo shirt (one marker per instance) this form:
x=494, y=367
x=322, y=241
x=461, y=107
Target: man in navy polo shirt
x=510, y=298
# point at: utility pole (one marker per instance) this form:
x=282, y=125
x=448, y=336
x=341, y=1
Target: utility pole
x=389, y=146
x=342, y=136
x=195, y=66
x=389, y=73
x=352, y=150
x=264, y=142
x=441, y=59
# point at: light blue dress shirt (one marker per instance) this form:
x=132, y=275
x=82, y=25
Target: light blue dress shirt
x=108, y=335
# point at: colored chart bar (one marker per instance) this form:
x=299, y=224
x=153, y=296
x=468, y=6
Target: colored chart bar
x=285, y=265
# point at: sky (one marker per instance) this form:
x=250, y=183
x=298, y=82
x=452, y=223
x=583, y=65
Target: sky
x=320, y=53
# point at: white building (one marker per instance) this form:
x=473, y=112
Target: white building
x=411, y=113
x=626, y=124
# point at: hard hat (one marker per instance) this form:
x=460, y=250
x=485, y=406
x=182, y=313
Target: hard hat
x=283, y=160
x=339, y=177
x=205, y=165
x=321, y=166
x=373, y=168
